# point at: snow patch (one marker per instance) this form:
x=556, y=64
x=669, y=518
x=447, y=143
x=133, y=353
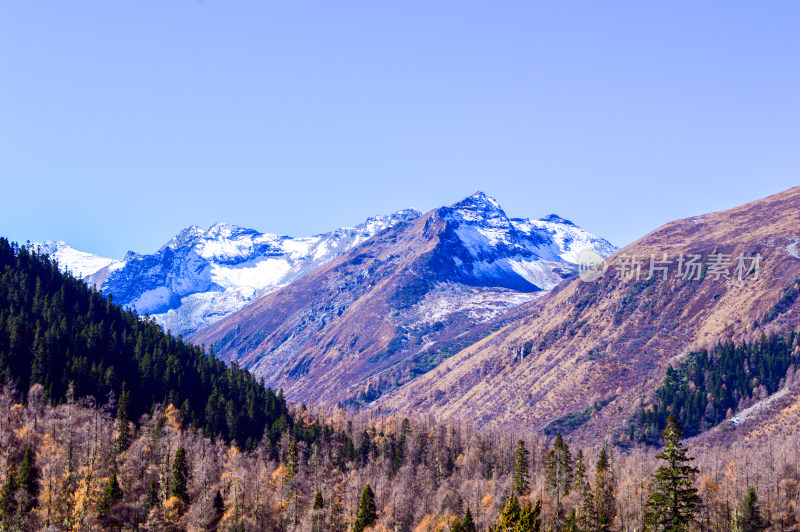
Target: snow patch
x=793, y=249
x=79, y=263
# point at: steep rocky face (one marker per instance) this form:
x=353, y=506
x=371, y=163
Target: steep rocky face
x=199, y=276
x=608, y=342
x=481, y=246
x=393, y=307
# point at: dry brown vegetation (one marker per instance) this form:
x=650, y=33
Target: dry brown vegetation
x=366, y=323
x=609, y=342
x=444, y=469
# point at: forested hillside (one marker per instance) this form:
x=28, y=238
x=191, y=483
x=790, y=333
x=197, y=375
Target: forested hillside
x=57, y=332
x=710, y=386
x=61, y=470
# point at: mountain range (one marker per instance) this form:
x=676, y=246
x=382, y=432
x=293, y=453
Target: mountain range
x=393, y=307
x=380, y=303
x=201, y=276
x=466, y=313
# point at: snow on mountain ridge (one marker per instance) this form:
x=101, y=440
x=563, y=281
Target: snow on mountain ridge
x=517, y=253
x=80, y=263
x=201, y=276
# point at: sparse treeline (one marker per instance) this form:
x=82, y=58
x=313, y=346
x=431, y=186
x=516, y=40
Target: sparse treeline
x=60, y=469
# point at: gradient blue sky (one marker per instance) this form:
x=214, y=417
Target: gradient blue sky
x=122, y=122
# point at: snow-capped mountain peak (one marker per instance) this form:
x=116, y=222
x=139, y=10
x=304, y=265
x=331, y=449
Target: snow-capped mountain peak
x=556, y=219
x=479, y=207
x=79, y=263
x=200, y=276
x=488, y=248
x=185, y=237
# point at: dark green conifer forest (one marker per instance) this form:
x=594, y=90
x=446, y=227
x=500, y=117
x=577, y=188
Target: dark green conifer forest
x=710, y=386
x=57, y=332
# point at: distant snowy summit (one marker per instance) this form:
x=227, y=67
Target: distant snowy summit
x=79, y=263
x=487, y=248
x=201, y=276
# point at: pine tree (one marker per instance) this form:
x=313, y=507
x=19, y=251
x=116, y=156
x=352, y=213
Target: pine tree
x=8, y=501
x=26, y=479
x=123, y=427
x=674, y=500
x=151, y=498
x=319, y=502
x=580, y=472
x=749, y=517
x=521, y=470
x=400, y=451
x=559, y=472
x=530, y=517
x=467, y=524
x=317, y=524
x=572, y=521
x=588, y=518
x=111, y=496
x=292, y=461
x=605, y=498
x=218, y=504
x=367, y=514
x=509, y=516
x=180, y=476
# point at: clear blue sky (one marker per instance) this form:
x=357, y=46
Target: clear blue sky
x=122, y=122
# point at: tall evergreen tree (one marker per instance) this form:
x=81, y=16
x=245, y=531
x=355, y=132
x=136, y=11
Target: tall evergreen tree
x=151, y=498
x=674, y=500
x=572, y=521
x=748, y=516
x=111, y=496
x=292, y=461
x=218, y=505
x=530, y=517
x=319, y=502
x=367, y=514
x=180, y=476
x=559, y=472
x=8, y=501
x=467, y=524
x=580, y=472
x=26, y=480
x=509, y=516
x=317, y=508
x=123, y=420
x=605, y=496
x=588, y=518
x=521, y=470
x=400, y=450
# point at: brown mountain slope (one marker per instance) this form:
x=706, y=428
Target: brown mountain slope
x=607, y=343
x=281, y=335
x=395, y=306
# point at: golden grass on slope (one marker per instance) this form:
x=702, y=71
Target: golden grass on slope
x=611, y=340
